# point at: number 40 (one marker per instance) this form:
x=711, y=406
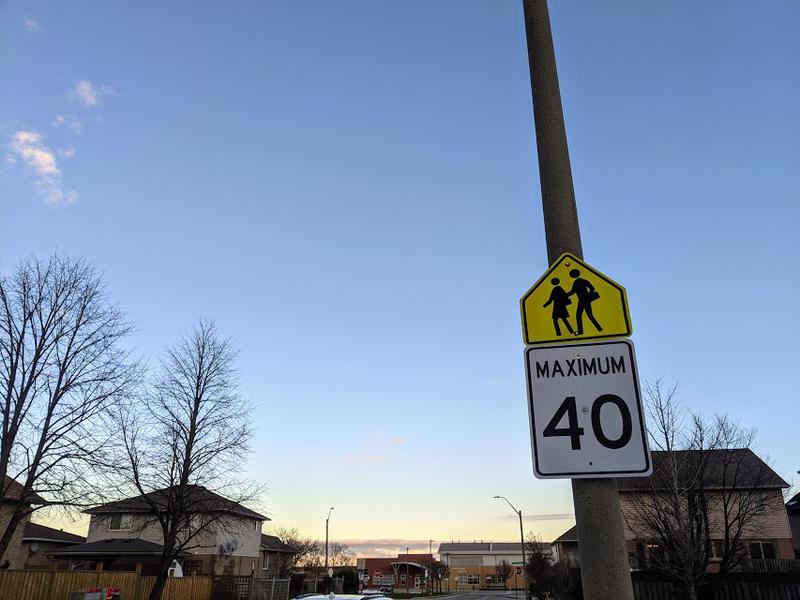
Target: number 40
x=574, y=432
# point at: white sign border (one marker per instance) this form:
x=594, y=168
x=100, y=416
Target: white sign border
x=646, y=472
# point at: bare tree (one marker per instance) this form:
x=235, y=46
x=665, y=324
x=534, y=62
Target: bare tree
x=61, y=371
x=301, y=549
x=548, y=579
x=706, y=495
x=340, y=555
x=184, y=444
x=504, y=570
x=440, y=571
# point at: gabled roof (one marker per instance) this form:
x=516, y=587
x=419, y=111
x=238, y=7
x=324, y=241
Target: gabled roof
x=793, y=505
x=570, y=535
x=12, y=491
x=40, y=533
x=737, y=468
x=201, y=501
x=115, y=546
x=273, y=543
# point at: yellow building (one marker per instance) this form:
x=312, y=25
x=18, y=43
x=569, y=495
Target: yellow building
x=473, y=565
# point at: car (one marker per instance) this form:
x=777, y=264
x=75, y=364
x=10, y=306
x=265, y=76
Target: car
x=333, y=596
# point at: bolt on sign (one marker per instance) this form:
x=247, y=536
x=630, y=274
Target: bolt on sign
x=573, y=301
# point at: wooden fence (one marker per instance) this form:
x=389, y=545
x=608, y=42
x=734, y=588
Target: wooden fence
x=56, y=585
x=656, y=590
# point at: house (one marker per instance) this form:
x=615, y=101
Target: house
x=124, y=535
x=404, y=571
x=793, y=510
x=473, y=565
x=565, y=546
x=274, y=558
x=15, y=555
x=38, y=541
x=767, y=537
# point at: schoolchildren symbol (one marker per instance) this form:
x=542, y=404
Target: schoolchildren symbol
x=574, y=301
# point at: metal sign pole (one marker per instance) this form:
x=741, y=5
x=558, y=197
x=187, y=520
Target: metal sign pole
x=605, y=572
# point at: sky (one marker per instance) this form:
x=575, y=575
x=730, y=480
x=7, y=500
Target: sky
x=350, y=190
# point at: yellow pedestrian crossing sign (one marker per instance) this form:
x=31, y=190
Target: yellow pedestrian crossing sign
x=573, y=301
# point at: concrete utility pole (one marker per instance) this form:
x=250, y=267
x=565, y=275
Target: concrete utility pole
x=327, y=521
x=605, y=571
x=522, y=547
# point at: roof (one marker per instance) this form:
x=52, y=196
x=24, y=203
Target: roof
x=737, y=468
x=202, y=500
x=12, y=491
x=504, y=547
x=115, y=546
x=407, y=562
x=570, y=535
x=274, y=544
x=793, y=505
x=40, y=533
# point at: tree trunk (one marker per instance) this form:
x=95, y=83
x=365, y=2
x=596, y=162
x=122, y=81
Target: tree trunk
x=690, y=592
x=10, y=530
x=158, y=586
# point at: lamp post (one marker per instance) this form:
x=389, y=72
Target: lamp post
x=429, y=578
x=406, y=570
x=327, y=521
x=521, y=545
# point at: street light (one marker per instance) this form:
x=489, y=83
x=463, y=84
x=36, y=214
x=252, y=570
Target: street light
x=521, y=544
x=326, y=538
x=406, y=571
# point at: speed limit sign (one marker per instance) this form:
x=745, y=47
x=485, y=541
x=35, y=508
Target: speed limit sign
x=586, y=411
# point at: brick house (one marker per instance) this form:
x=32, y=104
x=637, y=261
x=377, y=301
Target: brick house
x=768, y=537
x=123, y=535
x=793, y=510
x=15, y=555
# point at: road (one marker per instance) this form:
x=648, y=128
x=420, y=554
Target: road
x=487, y=595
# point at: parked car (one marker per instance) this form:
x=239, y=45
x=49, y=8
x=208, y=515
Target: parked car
x=333, y=596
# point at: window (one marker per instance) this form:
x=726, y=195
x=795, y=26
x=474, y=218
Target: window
x=192, y=566
x=419, y=582
x=716, y=549
x=402, y=579
x=762, y=550
x=470, y=579
x=495, y=579
x=120, y=522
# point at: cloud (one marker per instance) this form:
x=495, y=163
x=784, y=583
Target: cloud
x=32, y=25
x=30, y=148
x=67, y=152
x=539, y=517
x=387, y=548
x=88, y=94
x=75, y=124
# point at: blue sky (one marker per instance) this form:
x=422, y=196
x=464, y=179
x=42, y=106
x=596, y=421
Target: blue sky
x=350, y=189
